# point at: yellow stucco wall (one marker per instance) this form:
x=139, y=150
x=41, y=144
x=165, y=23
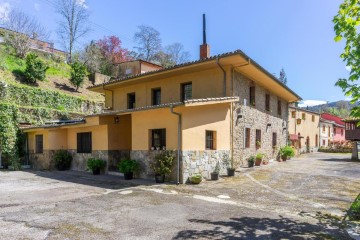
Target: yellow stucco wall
x=99, y=137
x=119, y=134
x=31, y=139
x=198, y=119
x=204, y=84
x=57, y=139
x=307, y=127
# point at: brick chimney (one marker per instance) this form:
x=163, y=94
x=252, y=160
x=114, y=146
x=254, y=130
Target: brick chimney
x=204, y=48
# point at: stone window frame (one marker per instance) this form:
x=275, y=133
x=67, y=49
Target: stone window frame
x=252, y=96
x=210, y=140
x=267, y=102
x=257, y=138
x=39, y=143
x=247, y=137
x=274, y=139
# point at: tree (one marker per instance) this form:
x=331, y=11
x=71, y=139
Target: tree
x=35, y=68
x=91, y=57
x=177, y=53
x=149, y=42
x=74, y=24
x=78, y=73
x=346, y=26
x=112, y=50
x=25, y=30
x=283, y=77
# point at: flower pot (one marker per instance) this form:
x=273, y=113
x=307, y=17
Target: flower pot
x=265, y=162
x=195, y=179
x=258, y=162
x=128, y=176
x=284, y=157
x=159, y=178
x=96, y=171
x=250, y=164
x=231, y=172
x=214, y=176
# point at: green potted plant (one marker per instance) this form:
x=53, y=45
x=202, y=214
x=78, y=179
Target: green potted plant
x=286, y=152
x=162, y=165
x=215, y=173
x=251, y=161
x=258, y=159
x=128, y=167
x=62, y=160
x=95, y=165
x=228, y=163
x=196, y=179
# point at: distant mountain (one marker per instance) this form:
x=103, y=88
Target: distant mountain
x=339, y=108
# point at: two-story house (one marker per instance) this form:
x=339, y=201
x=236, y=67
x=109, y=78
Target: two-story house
x=338, y=127
x=224, y=104
x=303, y=129
x=352, y=133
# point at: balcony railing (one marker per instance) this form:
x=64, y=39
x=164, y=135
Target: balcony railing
x=352, y=134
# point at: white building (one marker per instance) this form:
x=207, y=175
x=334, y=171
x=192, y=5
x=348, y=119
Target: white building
x=326, y=132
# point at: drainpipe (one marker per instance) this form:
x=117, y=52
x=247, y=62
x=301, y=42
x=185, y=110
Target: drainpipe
x=179, y=143
x=224, y=84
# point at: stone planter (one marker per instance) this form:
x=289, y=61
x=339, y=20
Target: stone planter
x=231, y=172
x=251, y=164
x=159, y=178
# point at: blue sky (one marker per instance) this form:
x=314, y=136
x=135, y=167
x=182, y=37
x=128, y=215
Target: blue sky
x=296, y=35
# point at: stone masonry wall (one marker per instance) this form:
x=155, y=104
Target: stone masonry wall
x=257, y=117
x=202, y=162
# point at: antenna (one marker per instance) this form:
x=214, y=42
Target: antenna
x=204, y=29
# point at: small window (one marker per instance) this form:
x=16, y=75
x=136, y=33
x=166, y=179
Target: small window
x=342, y=132
x=210, y=140
x=131, y=100
x=84, y=142
x=279, y=107
x=128, y=71
x=323, y=128
x=267, y=102
x=158, y=138
x=258, y=138
x=247, y=137
x=293, y=114
x=156, y=96
x=313, y=118
x=274, y=139
x=303, y=116
x=252, y=96
x=186, y=91
x=39, y=139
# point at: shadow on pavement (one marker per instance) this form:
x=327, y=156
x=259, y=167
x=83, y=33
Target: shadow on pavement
x=86, y=178
x=337, y=160
x=267, y=228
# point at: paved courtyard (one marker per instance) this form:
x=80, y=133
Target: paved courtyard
x=303, y=198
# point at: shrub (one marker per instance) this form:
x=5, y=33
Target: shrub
x=35, y=68
x=62, y=160
x=226, y=160
x=128, y=165
x=259, y=156
x=95, y=163
x=251, y=159
x=287, y=151
x=217, y=168
x=78, y=73
x=162, y=163
x=196, y=179
x=354, y=212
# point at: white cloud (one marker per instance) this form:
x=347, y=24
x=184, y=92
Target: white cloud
x=37, y=7
x=4, y=11
x=82, y=3
x=311, y=103
x=348, y=68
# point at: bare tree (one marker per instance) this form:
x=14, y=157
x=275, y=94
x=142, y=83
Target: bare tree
x=74, y=23
x=23, y=31
x=149, y=42
x=177, y=53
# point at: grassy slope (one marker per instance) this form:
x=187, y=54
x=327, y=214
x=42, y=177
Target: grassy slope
x=57, y=76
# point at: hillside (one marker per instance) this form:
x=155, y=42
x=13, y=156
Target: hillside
x=339, y=108
x=52, y=99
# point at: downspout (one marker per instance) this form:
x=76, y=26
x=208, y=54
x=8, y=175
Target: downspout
x=224, y=72
x=179, y=143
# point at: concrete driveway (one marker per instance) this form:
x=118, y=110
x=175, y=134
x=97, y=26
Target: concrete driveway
x=303, y=198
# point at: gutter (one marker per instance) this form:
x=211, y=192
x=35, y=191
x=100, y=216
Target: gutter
x=179, y=143
x=224, y=72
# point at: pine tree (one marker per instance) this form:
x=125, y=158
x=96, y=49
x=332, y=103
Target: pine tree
x=283, y=77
